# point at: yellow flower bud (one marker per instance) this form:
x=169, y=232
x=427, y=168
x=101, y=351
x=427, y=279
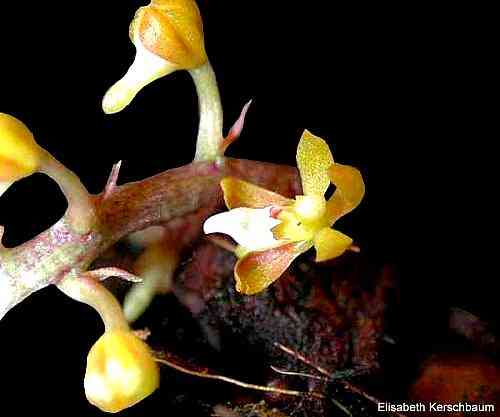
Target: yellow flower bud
x=20, y=155
x=120, y=371
x=173, y=30
x=168, y=36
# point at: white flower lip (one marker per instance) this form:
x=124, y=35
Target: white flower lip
x=146, y=68
x=250, y=228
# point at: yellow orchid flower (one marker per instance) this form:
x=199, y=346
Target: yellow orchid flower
x=272, y=230
x=168, y=36
x=121, y=371
x=20, y=155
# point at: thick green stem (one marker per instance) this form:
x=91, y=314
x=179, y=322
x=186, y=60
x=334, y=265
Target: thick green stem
x=208, y=144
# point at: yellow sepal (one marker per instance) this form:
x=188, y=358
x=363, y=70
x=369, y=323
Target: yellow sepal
x=330, y=244
x=313, y=160
x=257, y=270
x=239, y=193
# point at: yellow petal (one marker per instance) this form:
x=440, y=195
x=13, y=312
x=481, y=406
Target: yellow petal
x=313, y=160
x=238, y=193
x=330, y=243
x=20, y=155
x=120, y=372
x=257, y=270
x=349, y=192
x=173, y=30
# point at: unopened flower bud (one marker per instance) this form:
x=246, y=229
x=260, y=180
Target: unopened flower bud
x=173, y=30
x=20, y=155
x=168, y=36
x=121, y=371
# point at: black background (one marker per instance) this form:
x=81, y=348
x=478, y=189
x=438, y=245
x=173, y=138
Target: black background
x=402, y=92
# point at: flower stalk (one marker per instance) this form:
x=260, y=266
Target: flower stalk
x=90, y=291
x=209, y=140
x=156, y=266
x=81, y=212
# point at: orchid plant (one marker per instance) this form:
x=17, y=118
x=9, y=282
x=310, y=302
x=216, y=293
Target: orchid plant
x=271, y=227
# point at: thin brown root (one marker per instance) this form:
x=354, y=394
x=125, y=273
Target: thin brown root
x=321, y=378
x=205, y=374
x=328, y=374
x=293, y=373
x=302, y=358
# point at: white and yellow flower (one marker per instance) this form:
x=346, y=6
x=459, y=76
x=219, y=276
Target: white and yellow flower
x=272, y=230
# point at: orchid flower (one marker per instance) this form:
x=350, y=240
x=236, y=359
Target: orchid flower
x=272, y=230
